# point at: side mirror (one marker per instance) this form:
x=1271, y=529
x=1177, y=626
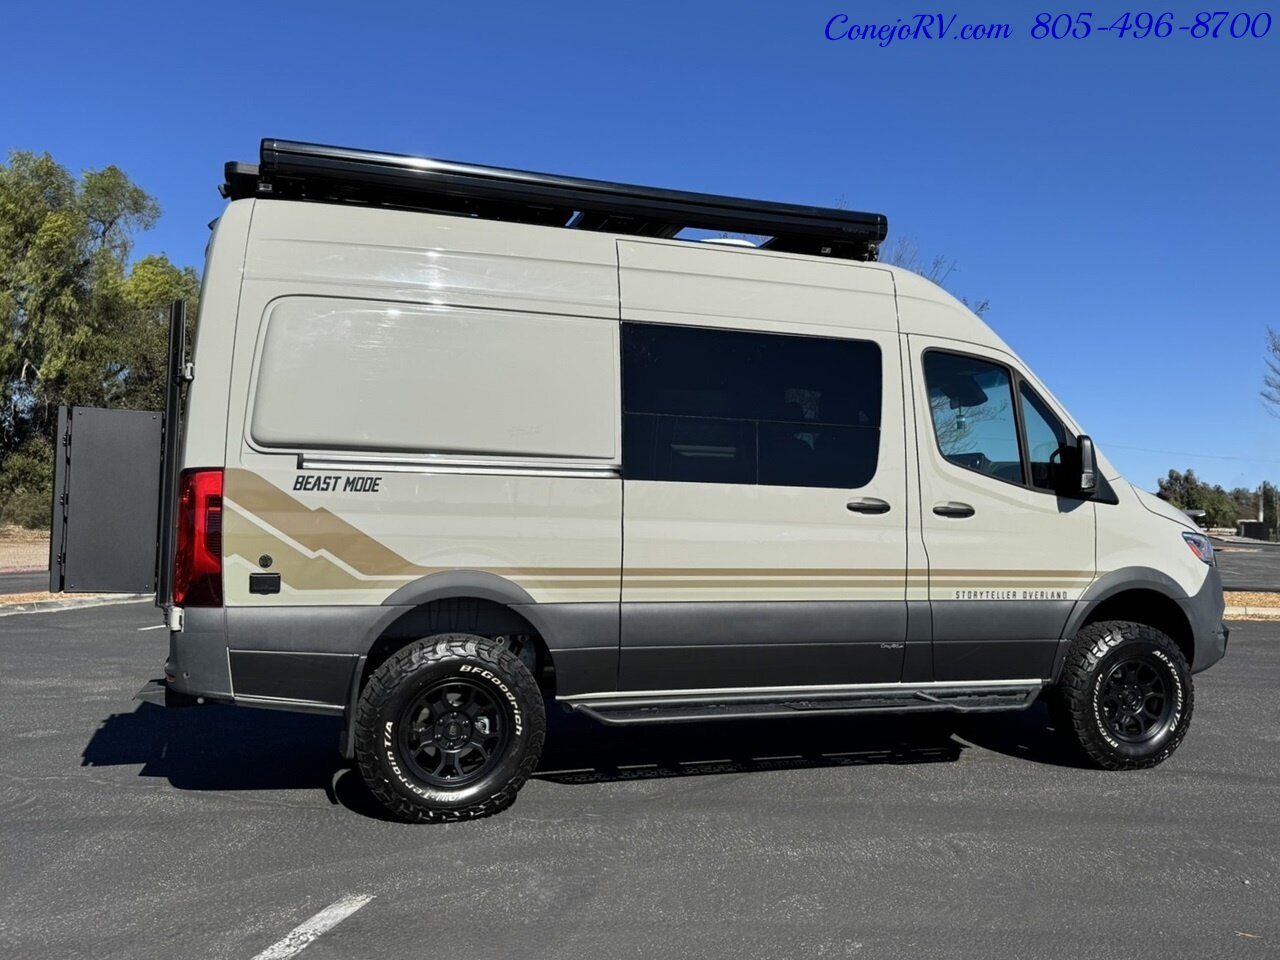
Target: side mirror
x=1087, y=479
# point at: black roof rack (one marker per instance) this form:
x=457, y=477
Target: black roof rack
x=308, y=171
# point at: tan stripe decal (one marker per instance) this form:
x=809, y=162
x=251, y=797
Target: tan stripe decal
x=808, y=583
x=299, y=571
x=321, y=531
x=316, y=529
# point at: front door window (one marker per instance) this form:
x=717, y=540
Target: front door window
x=973, y=414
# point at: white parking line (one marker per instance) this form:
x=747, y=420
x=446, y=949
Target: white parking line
x=158, y=626
x=304, y=933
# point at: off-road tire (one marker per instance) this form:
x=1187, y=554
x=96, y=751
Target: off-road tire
x=489, y=667
x=1099, y=653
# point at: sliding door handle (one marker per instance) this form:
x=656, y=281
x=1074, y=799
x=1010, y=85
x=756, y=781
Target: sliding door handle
x=868, y=505
x=953, y=508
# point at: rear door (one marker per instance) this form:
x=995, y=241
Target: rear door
x=106, y=501
x=764, y=493
x=114, y=483
x=1008, y=557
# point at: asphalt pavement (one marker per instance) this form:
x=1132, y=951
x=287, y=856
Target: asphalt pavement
x=128, y=830
x=24, y=582
x=1249, y=566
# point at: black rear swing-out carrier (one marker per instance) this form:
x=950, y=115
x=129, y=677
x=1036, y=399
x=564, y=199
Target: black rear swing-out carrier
x=306, y=171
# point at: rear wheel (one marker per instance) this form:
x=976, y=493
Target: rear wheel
x=1127, y=691
x=449, y=728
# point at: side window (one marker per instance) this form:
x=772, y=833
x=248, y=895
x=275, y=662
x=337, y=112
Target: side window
x=973, y=414
x=728, y=406
x=548, y=393
x=1046, y=439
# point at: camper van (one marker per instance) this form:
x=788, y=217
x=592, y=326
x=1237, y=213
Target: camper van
x=457, y=445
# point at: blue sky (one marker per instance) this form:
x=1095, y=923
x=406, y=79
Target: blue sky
x=1116, y=199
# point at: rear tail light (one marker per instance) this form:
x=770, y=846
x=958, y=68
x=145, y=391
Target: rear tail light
x=197, y=568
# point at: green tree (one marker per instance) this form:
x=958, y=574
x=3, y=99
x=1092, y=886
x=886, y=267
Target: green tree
x=1186, y=492
x=79, y=323
x=1246, y=502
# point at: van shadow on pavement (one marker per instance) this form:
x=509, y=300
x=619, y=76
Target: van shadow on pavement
x=238, y=748
x=220, y=747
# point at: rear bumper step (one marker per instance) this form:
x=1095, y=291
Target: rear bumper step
x=626, y=710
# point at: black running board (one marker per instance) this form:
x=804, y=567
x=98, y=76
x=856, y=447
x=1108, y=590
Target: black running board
x=631, y=710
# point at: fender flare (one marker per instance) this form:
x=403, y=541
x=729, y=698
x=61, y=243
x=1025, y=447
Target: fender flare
x=446, y=585
x=479, y=584
x=1107, y=586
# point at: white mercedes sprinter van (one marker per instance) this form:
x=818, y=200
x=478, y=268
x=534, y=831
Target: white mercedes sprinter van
x=461, y=441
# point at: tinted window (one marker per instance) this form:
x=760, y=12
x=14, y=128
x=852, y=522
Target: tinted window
x=973, y=414
x=722, y=406
x=1046, y=438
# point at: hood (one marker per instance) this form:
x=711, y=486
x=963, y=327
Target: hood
x=1162, y=508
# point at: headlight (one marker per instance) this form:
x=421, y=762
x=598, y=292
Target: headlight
x=1200, y=546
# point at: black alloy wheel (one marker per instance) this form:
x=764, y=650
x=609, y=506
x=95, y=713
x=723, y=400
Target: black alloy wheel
x=1134, y=702
x=453, y=733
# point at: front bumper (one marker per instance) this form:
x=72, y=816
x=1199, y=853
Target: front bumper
x=1204, y=613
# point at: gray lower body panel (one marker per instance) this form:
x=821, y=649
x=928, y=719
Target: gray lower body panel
x=323, y=678
x=307, y=654
x=997, y=639
x=731, y=644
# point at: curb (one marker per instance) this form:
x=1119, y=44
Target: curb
x=44, y=569
x=48, y=606
x=1251, y=613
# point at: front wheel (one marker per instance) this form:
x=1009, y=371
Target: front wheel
x=1127, y=691
x=449, y=728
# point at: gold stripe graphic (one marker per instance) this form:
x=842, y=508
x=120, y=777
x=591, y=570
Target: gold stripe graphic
x=378, y=567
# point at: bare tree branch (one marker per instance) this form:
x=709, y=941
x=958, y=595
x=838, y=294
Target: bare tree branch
x=905, y=253
x=1271, y=379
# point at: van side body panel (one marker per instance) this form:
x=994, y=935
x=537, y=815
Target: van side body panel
x=367, y=508
x=1134, y=549
x=421, y=417
x=731, y=584
x=1003, y=581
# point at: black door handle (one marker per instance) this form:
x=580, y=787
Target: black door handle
x=868, y=505
x=952, y=508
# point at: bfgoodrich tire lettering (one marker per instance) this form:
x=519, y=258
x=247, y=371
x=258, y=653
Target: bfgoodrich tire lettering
x=449, y=728
x=1126, y=688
